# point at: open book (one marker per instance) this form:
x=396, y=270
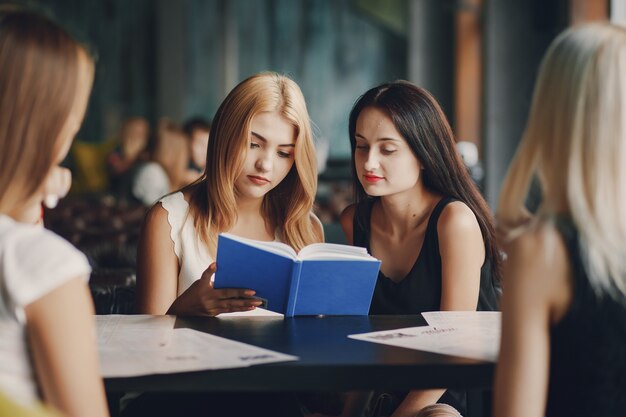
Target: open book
x=324, y=278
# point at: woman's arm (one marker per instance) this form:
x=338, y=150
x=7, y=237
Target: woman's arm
x=62, y=339
x=462, y=252
x=536, y=293
x=157, y=264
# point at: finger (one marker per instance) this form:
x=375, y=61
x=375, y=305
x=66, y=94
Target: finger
x=236, y=303
x=215, y=311
x=224, y=293
x=233, y=304
x=243, y=303
x=208, y=273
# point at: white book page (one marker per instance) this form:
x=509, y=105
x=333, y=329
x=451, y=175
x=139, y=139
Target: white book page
x=334, y=251
x=278, y=248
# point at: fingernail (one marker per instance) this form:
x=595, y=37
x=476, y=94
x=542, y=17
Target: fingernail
x=249, y=293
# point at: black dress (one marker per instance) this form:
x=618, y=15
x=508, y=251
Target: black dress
x=587, y=347
x=420, y=290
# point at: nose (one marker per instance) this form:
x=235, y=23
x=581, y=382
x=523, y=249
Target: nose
x=371, y=161
x=264, y=162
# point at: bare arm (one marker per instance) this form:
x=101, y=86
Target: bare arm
x=462, y=252
x=536, y=292
x=61, y=335
x=157, y=264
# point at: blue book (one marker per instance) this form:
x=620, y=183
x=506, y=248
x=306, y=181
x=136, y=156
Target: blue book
x=324, y=278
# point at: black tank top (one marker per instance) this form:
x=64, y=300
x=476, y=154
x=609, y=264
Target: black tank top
x=420, y=290
x=587, y=347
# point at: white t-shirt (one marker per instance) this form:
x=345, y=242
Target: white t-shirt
x=33, y=262
x=150, y=183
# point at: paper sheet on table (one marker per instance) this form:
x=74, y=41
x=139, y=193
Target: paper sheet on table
x=187, y=350
x=134, y=331
x=257, y=312
x=464, y=319
x=470, y=337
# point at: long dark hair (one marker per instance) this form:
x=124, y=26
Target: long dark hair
x=419, y=119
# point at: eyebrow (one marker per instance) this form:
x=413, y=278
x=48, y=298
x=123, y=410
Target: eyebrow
x=261, y=138
x=359, y=136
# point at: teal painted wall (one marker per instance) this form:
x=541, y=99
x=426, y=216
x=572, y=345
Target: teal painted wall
x=331, y=49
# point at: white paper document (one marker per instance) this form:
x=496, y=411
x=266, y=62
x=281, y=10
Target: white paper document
x=124, y=331
x=464, y=319
x=186, y=349
x=473, y=335
x=257, y=312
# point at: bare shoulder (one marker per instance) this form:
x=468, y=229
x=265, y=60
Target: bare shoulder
x=537, y=263
x=347, y=221
x=457, y=217
x=318, y=228
x=541, y=244
x=156, y=229
x=156, y=217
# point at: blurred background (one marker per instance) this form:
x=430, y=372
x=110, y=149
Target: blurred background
x=162, y=63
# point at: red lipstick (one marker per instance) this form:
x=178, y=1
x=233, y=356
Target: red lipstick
x=258, y=180
x=372, y=178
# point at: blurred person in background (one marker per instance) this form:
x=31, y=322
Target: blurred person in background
x=166, y=168
x=130, y=151
x=197, y=130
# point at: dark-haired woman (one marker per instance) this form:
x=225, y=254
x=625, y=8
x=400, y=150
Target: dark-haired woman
x=418, y=211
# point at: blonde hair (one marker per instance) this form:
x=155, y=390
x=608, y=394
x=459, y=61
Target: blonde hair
x=575, y=141
x=40, y=68
x=212, y=198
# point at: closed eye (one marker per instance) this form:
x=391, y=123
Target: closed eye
x=284, y=154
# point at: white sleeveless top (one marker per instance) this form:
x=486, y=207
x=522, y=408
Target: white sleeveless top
x=193, y=255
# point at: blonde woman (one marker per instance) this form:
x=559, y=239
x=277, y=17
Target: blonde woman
x=259, y=182
x=564, y=303
x=47, y=344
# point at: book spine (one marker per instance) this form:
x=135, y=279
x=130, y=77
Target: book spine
x=294, y=282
